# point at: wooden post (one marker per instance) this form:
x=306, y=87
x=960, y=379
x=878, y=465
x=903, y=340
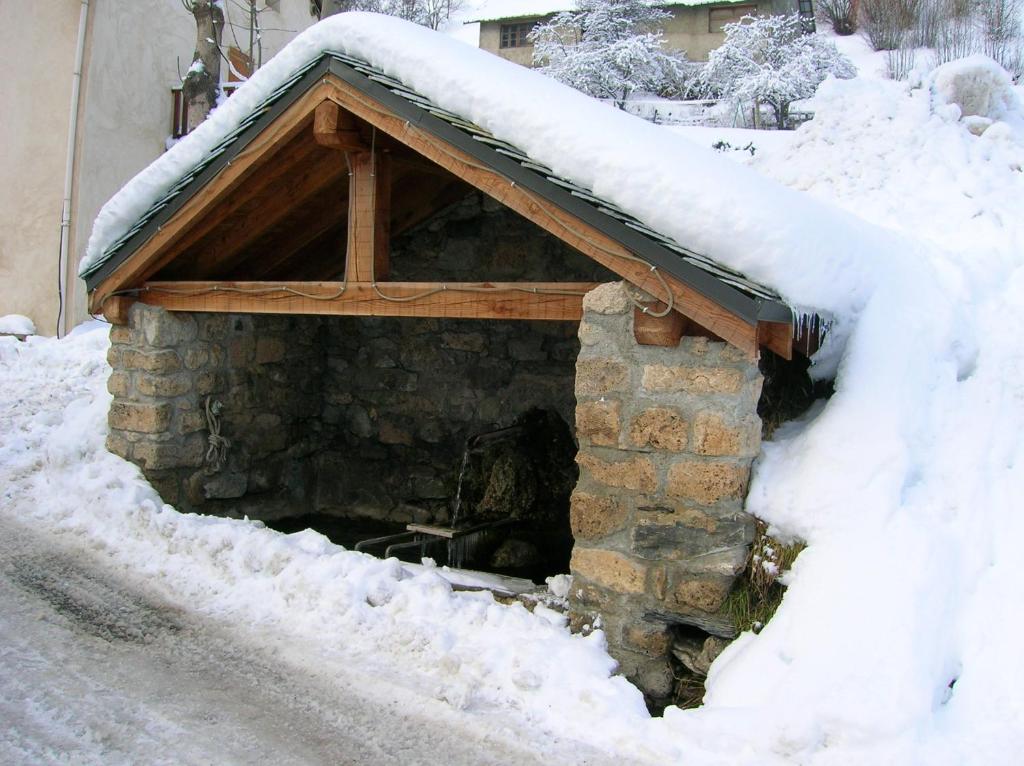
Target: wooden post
x=369, y=217
x=115, y=309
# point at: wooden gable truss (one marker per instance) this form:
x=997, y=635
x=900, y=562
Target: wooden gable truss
x=325, y=164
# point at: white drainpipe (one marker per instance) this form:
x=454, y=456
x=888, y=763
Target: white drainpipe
x=69, y=170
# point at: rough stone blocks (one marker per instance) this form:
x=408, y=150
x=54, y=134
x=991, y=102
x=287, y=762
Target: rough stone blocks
x=596, y=516
x=708, y=483
x=609, y=569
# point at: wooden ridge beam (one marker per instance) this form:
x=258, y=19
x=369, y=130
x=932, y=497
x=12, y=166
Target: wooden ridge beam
x=475, y=300
x=335, y=129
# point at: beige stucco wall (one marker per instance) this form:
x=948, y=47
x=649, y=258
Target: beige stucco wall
x=490, y=40
x=134, y=53
x=126, y=113
x=37, y=41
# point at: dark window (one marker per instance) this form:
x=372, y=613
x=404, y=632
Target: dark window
x=719, y=17
x=514, y=35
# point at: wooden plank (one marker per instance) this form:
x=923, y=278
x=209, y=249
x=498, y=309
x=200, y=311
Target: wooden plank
x=156, y=253
x=554, y=301
x=116, y=308
x=427, y=529
x=777, y=336
x=658, y=330
x=369, y=217
x=577, y=234
x=335, y=129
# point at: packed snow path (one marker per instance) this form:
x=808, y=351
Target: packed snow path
x=94, y=670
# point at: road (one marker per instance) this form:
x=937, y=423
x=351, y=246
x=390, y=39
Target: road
x=95, y=669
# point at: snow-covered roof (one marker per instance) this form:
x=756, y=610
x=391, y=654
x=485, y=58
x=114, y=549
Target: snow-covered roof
x=499, y=10
x=729, y=220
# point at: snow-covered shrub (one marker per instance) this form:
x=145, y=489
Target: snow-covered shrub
x=840, y=14
x=609, y=49
x=888, y=24
x=1002, y=31
x=769, y=60
x=899, y=63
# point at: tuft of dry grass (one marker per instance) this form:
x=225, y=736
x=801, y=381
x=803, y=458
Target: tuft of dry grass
x=758, y=592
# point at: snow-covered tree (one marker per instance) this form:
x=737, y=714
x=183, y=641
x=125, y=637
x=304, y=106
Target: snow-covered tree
x=770, y=60
x=429, y=13
x=608, y=49
x=201, y=86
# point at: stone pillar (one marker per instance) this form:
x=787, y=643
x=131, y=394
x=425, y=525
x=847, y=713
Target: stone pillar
x=666, y=439
x=155, y=419
x=265, y=373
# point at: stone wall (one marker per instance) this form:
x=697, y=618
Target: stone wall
x=666, y=438
x=266, y=374
x=401, y=396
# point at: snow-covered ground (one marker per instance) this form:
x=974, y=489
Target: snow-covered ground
x=897, y=641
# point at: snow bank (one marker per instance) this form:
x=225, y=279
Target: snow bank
x=900, y=627
x=814, y=255
x=16, y=324
x=978, y=86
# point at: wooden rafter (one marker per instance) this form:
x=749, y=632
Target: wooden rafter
x=480, y=300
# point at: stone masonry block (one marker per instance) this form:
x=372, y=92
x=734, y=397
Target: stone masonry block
x=601, y=375
x=691, y=380
x=636, y=474
x=609, y=298
x=160, y=362
x=708, y=483
x=160, y=456
x=166, y=386
x=161, y=328
x=713, y=436
x=196, y=357
x=649, y=638
x=119, y=383
x=608, y=569
x=142, y=418
x=704, y=593
x=120, y=334
x=598, y=421
x=595, y=516
x=118, y=445
x=270, y=350
x=660, y=428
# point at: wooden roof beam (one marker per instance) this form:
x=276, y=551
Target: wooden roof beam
x=553, y=301
x=335, y=129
